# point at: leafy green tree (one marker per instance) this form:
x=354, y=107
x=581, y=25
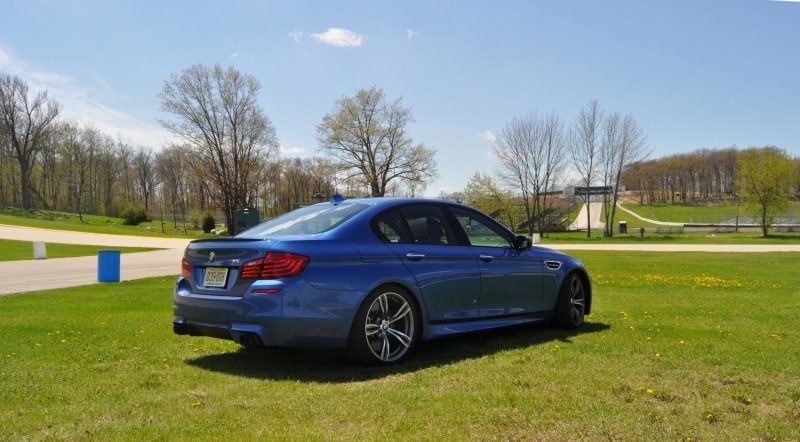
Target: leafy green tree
x=367, y=135
x=764, y=176
x=483, y=193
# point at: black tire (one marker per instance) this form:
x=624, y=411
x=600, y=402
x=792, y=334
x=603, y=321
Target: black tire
x=385, y=328
x=571, y=304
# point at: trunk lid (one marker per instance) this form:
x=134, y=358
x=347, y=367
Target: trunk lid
x=216, y=264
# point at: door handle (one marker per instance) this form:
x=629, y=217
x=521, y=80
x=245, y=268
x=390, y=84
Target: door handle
x=485, y=257
x=414, y=256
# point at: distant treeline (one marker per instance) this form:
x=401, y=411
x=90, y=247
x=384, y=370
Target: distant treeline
x=704, y=173
x=55, y=164
x=83, y=170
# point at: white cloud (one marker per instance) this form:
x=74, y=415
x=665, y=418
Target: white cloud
x=488, y=136
x=88, y=103
x=293, y=150
x=410, y=33
x=235, y=55
x=340, y=37
x=296, y=36
x=5, y=59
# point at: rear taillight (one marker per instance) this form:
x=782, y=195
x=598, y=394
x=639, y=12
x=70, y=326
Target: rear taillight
x=251, y=269
x=186, y=268
x=283, y=265
x=275, y=265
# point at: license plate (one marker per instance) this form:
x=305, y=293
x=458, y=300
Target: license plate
x=215, y=276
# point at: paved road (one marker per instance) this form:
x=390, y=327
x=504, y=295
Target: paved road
x=46, y=274
x=92, y=239
x=27, y=276
x=580, y=221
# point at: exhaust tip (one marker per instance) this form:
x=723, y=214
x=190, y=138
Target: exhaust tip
x=180, y=329
x=250, y=340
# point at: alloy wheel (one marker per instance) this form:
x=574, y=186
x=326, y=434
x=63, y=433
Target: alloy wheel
x=577, y=301
x=389, y=326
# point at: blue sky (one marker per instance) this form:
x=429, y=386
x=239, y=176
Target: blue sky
x=694, y=73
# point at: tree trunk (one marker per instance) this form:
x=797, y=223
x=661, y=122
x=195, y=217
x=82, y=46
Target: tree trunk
x=25, y=186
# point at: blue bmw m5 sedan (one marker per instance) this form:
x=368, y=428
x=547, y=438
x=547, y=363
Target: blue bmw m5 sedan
x=374, y=276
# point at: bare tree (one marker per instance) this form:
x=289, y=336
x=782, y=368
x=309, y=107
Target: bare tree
x=231, y=138
x=608, y=162
x=323, y=174
x=623, y=143
x=144, y=165
x=530, y=151
x=513, y=149
x=26, y=121
x=170, y=167
x=93, y=140
x=368, y=136
x=50, y=184
x=110, y=165
x=553, y=165
x=75, y=163
x=585, y=150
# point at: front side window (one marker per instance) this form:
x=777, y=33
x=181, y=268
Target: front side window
x=480, y=229
x=308, y=220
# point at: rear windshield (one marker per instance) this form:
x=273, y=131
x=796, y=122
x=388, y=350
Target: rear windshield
x=305, y=221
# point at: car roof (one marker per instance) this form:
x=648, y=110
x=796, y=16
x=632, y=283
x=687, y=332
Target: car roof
x=382, y=201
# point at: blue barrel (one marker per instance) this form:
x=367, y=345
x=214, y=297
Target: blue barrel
x=108, y=266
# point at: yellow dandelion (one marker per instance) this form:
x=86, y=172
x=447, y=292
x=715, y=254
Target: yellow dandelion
x=649, y=391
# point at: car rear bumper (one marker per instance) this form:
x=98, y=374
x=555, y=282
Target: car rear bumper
x=298, y=314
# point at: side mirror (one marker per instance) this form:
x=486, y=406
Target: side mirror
x=523, y=242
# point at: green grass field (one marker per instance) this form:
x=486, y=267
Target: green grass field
x=633, y=237
x=679, y=347
x=94, y=224
x=700, y=212
x=23, y=250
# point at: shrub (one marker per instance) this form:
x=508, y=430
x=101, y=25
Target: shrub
x=208, y=223
x=134, y=217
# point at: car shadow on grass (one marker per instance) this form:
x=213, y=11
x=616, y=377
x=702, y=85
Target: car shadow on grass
x=330, y=365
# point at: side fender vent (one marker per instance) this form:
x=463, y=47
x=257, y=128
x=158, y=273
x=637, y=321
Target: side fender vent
x=553, y=265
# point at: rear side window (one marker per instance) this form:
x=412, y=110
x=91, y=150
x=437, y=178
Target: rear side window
x=391, y=227
x=305, y=221
x=422, y=224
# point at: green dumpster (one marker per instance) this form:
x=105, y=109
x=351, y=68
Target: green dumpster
x=245, y=219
